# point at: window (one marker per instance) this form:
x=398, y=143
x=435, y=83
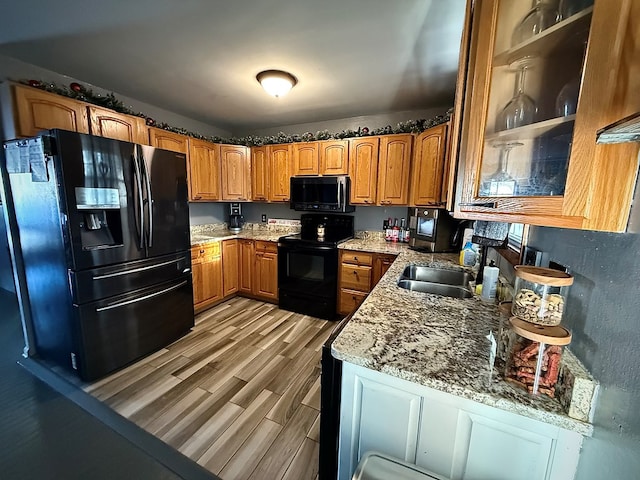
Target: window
x=515, y=237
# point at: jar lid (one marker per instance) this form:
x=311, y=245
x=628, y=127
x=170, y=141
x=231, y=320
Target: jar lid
x=546, y=276
x=551, y=335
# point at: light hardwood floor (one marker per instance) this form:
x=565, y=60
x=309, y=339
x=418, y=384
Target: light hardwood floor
x=240, y=394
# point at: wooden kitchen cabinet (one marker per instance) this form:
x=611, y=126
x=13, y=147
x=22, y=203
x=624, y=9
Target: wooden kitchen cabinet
x=280, y=167
x=393, y=169
x=37, y=110
x=306, y=158
x=427, y=168
x=260, y=174
x=230, y=262
x=334, y=157
x=446, y=434
x=266, y=271
x=168, y=140
x=107, y=123
x=258, y=269
x=206, y=265
x=549, y=170
x=363, y=170
x=236, y=172
x=247, y=254
x=358, y=273
x=203, y=171
x=381, y=263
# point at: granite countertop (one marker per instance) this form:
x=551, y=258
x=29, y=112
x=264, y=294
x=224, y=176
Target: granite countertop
x=436, y=341
x=219, y=235
x=375, y=245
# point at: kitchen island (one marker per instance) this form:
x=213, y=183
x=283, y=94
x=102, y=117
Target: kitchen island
x=423, y=350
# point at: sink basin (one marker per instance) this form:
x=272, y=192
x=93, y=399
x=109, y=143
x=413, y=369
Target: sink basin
x=437, y=275
x=455, y=291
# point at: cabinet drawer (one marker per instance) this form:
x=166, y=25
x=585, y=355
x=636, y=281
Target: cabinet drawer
x=358, y=258
x=355, y=277
x=266, y=247
x=204, y=253
x=349, y=301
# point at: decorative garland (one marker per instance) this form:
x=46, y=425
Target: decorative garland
x=80, y=92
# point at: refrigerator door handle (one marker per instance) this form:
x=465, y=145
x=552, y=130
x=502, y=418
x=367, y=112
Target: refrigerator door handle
x=134, y=270
x=149, y=201
x=137, y=175
x=140, y=299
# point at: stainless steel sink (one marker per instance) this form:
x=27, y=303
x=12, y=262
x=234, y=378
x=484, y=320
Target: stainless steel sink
x=437, y=275
x=450, y=283
x=454, y=291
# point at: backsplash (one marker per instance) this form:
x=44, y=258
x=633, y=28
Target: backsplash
x=284, y=227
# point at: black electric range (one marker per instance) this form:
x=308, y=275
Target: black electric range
x=308, y=265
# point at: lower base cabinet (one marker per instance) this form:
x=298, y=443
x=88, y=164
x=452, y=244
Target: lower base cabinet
x=266, y=271
x=206, y=267
x=258, y=268
x=230, y=261
x=451, y=436
x=358, y=273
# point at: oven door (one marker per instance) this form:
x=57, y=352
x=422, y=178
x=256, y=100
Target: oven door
x=308, y=279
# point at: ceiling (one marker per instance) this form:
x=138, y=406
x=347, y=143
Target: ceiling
x=199, y=58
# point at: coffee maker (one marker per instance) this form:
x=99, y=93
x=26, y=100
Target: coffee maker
x=236, y=220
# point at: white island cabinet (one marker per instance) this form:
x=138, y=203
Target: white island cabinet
x=449, y=435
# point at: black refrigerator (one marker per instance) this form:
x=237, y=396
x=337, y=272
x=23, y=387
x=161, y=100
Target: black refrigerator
x=103, y=231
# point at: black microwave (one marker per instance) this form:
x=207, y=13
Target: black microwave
x=321, y=194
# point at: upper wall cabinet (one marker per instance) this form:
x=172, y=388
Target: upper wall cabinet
x=36, y=110
x=168, y=140
x=306, y=158
x=236, y=172
x=393, y=169
x=203, y=171
x=428, y=165
x=334, y=157
x=280, y=166
x=363, y=169
x=260, y=174
x=533, y=107
x=107, y=123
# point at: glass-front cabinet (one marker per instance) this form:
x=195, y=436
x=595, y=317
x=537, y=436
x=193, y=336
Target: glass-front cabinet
x=533, y=104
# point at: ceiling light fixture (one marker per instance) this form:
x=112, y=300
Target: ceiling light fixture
x=276, y=82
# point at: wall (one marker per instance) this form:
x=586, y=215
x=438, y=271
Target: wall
x=603, y=312
x=370, y=121
x=13, y=69
x=203, y=213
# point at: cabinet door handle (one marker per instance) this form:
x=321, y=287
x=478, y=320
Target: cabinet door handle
x=480, y=204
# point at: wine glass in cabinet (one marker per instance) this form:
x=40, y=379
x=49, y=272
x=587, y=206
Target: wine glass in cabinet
x=531, y=126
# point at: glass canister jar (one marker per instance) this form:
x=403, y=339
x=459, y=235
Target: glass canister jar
x=533, y=356
x=540, y=294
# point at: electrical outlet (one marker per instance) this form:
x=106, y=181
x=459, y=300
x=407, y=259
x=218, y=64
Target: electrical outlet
x=264, y=218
